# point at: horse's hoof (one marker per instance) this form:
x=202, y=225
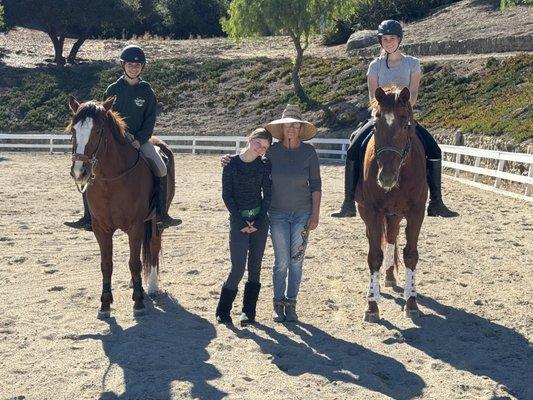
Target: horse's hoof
x=372, y=317
x=412, y=314
x=104, y=314
x=138, y=312
x=390, y=282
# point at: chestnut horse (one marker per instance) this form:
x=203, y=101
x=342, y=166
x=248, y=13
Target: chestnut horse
x=392, y=187
x=119, y=185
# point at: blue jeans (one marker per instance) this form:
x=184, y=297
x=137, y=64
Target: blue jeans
x=286, y=230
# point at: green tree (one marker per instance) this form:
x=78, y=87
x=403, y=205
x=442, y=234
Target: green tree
x=2, y=22
x=296, y=18
x=76, y=19
x=512, y=3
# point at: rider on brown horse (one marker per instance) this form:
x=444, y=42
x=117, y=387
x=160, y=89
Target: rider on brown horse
x=136, y=103
x=393, y=68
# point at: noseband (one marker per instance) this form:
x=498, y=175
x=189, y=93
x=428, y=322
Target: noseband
x=93, y=161
x=401, y=152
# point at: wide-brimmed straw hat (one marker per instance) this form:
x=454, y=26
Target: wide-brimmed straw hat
x=292, y=113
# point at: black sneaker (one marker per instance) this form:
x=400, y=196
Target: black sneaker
x=347, y=210
x=168, y=221
x=82, y=223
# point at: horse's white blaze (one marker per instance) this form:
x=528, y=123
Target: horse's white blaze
x=83, y=132
x=153, y=286
x=409, y=289
x=389, y=118
x=373, y=290
x=388, y=260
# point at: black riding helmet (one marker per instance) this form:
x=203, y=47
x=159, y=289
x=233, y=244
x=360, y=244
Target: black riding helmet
x=390, y=27
x=133, y=53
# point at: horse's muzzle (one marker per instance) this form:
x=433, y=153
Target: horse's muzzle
x=79, y=173
x=387, y=181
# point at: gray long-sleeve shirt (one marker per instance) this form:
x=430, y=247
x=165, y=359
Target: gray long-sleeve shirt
x=295, y=175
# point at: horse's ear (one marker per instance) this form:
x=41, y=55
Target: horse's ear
x=405, y=95
x=73, y=103
x=379, y=94
x=109, y=102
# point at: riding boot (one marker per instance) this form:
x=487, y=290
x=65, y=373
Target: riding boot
x=85, y=221
x=436, y=207
x=227, y=296
x=348, y=205
x=251, y=294
x=290, y=311
x=163, y=219
x=279, y=310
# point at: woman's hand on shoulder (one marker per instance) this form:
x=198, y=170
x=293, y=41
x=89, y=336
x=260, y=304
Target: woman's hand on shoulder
x=225, y=160
x=313, y=221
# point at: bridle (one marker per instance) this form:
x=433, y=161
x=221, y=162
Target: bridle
x=93, y=161
x=403, y=153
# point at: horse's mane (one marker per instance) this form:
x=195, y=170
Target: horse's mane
x=388, y=90
x=95, y=110
x=389, y=100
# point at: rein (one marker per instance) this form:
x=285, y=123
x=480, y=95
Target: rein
x=93, y=161
x=401, y=152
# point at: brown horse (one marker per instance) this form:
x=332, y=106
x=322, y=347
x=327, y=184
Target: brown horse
x=392, y=187
x=119, y=185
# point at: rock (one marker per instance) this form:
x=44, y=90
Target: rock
x=361, y=39
x=349, y=113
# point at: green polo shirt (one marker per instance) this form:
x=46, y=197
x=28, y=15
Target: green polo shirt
x=137, y=105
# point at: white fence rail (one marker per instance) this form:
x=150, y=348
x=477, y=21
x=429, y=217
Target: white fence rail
x=330, y=149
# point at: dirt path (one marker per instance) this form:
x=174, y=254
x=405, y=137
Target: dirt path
x=475, y=279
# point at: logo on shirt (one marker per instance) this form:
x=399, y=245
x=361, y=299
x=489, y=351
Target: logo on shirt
x=139, y=102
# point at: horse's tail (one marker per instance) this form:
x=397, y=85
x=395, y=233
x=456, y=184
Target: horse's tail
x=151, y=248
x=384, y=243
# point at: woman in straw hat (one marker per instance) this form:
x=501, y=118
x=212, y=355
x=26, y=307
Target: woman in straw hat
x=295, y=207
x=246, y=190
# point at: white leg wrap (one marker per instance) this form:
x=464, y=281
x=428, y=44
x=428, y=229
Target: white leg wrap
x=373, y=290
x=409, y=289
x=388, y=260
x=153, y=286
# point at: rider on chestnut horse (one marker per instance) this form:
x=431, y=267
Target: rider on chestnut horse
x=136, y=103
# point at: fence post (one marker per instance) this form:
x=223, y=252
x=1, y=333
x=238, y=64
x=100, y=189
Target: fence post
x=477, y=164
x=458, y=161
x=237, y=146
x=498, y=181
x=344, y=148
x=51, y=144
x=529, y=188
x=194, y=146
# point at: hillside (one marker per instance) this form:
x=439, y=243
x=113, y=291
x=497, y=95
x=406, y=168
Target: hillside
x=214, y=86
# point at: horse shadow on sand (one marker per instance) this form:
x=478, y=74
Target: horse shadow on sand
x=471, y=343
x=337, y=360
x=164, y=346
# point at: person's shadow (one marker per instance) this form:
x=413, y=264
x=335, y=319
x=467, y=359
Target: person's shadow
x=166, y=345
x=471, y=343
x=335, y=359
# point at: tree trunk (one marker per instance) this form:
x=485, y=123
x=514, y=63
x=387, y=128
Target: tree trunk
x=58, y=42
x=298, y=88
x=329, y=116
x=74, y=51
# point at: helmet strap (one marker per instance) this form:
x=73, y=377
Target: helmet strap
x=388, y=54
x=131, y=77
